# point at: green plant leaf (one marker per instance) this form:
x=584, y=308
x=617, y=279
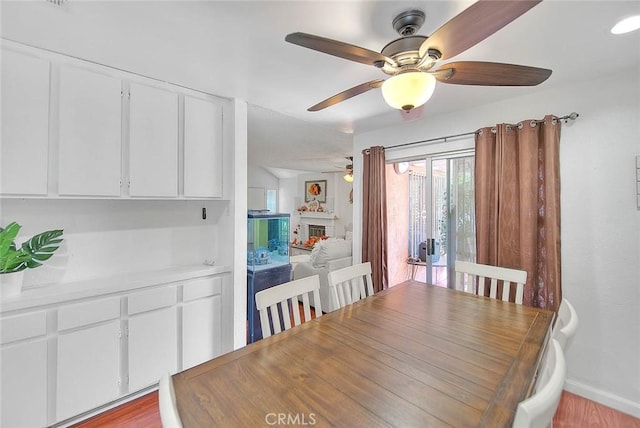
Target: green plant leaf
x=41, y=247
x=14, y=261
x=11, y=259
x=31, y=254
x=7, y=235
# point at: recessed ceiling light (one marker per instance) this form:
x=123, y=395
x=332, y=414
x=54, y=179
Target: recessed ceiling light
x=627, y=25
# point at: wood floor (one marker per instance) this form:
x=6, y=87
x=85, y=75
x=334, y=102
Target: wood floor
x=574, y=411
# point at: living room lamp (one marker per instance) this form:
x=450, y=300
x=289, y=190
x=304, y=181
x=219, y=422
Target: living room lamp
x=408, y=90
x=348, y=177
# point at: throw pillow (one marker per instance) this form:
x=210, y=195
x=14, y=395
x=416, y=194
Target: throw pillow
x=329, y=249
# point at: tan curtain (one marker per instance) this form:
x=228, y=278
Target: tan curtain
x=374, y=216
x=518, y=204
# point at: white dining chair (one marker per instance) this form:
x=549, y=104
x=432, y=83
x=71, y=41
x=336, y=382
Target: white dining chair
x=283, y=300
x=350, y=284
x=566, y=324
x=169, y=415
x=538, y=410
x=471, y=277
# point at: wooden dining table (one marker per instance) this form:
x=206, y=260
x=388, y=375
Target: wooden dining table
x=414, y=355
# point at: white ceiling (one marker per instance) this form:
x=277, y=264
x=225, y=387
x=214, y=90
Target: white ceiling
x=237, y=49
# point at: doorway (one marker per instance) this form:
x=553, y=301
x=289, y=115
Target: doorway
x=440, y=218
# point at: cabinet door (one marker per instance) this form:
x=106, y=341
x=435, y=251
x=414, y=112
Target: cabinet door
x=25, y=124
x=202, y=148
x=153, y=152
x=88, y=368
x=153, y=347
x=90, y=133
x=201, y=321
x=23, y=359
x=201, y=332
x=24, y=384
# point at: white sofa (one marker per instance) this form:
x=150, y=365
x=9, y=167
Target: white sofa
x=326, y=256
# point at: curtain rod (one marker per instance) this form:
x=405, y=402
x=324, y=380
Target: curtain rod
x=566, y=118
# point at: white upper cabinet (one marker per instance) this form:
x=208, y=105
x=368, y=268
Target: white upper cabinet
x=153, y=142
x=25, y=124
x=90, y=133
x=71, y=128
x=202, y=148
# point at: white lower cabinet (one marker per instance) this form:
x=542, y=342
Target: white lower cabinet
x=152, y=337
x=24, y=391
x=201, y=321
x=88, y=357
x=62, y=361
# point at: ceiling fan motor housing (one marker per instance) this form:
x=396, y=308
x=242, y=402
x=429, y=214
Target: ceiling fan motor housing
x=408, y=22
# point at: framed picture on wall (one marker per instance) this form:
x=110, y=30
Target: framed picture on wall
x=315, y=190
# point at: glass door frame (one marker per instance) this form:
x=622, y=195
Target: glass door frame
x=431, y=216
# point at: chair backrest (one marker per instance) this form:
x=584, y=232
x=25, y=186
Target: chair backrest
x=169, y=415
x=350, y=284
x=538, y=410
x=475, y=275
x=566, y=324
x=282, y=300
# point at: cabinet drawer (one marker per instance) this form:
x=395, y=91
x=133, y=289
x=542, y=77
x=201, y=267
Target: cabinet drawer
x=203, y=287
x=150, y=300
x=88, y=313
x=21, y=327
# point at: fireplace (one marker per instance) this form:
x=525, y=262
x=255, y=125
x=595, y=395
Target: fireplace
x=316, y=224
x=317, y=230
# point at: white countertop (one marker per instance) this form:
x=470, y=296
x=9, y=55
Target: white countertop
x=53, y=294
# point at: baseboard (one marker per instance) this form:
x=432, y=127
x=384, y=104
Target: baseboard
x=108, y=406
x=603, y=397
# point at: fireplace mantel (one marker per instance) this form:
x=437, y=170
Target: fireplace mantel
x=312, y=214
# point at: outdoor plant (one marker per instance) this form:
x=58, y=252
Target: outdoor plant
x=31, y=253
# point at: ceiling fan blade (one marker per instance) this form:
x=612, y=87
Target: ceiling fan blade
x=339, y=49
x=345, y=95
x=473, y=25
x=490, y=74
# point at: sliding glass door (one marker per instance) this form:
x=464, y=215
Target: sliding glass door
x=441, y=216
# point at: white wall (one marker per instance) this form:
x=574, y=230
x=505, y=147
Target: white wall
x=337, y=197
x=235, y=243
x=259, y=181
x=287, y=195
x=260, y=177
x=600, y=222
x=108, y=237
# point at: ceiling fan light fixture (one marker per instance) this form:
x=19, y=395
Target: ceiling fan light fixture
x=408, y=90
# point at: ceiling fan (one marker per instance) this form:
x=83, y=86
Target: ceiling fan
x=411, y=60
x=348, y=170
